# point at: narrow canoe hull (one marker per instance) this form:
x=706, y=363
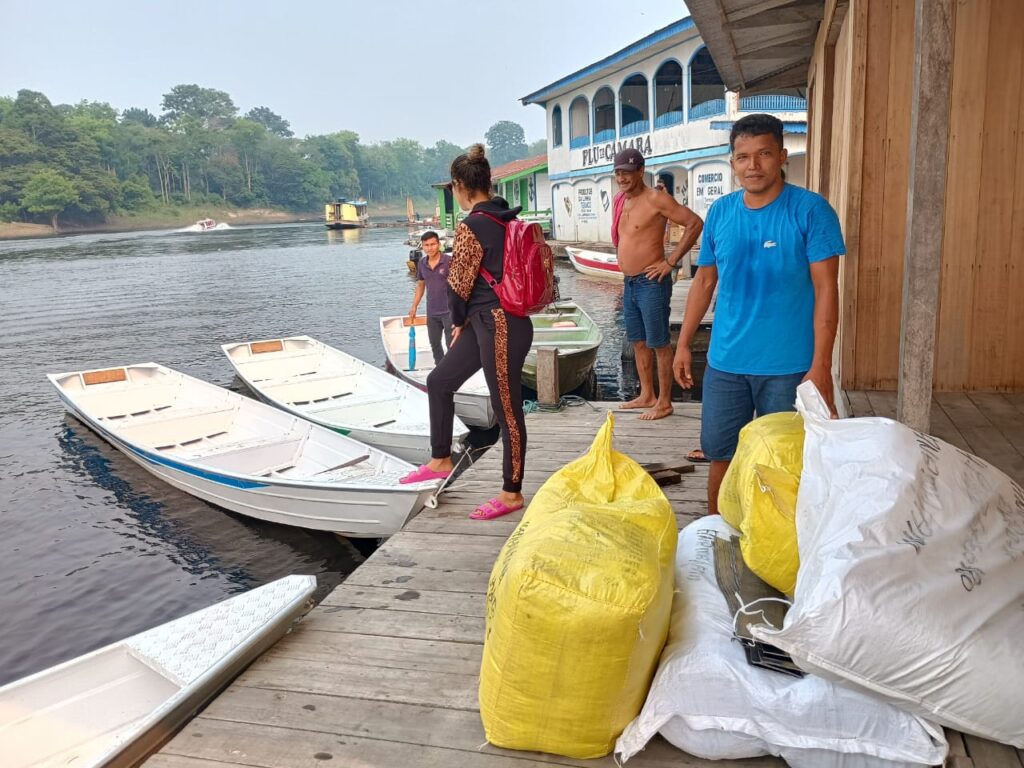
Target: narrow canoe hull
x=564, y=326
x=472, y=401
x=574, y=369
x=116, y=705
x=333, y=393
x=595, y=264
x=363, y=513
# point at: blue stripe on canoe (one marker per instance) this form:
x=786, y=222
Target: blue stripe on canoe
x=188, y=469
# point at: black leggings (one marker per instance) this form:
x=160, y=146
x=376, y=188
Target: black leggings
x=497, y=342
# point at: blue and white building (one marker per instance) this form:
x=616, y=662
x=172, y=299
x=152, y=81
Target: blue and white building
x=663, y=96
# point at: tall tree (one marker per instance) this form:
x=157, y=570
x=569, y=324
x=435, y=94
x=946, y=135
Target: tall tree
x=506, y=141
x=274, y=123
x=538, y=147
x=49, y=193
x=212, y=108
x=139, y=116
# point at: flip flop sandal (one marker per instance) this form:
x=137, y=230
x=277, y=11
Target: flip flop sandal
x=696, y=456
x=492, y=509
x=423, y=474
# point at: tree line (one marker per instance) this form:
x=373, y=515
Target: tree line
x=87, y=161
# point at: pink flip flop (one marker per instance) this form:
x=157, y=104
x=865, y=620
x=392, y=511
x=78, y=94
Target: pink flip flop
x=492, y=509
x=423, y=474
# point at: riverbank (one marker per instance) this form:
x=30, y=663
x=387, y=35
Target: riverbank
x=176, y=218
x=166, y=219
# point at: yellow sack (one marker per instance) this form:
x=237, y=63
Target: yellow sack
x=763, y=507
x=578, y=608
x=768, y=540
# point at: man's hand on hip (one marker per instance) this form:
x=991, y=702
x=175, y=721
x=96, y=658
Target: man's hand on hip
x=658, y=270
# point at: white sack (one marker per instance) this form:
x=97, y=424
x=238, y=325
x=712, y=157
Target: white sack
x=707, y=700
x=911, y=578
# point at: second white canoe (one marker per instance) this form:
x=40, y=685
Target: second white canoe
x=332, y=388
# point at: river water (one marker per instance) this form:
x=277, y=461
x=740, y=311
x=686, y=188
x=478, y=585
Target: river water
x=94, y=548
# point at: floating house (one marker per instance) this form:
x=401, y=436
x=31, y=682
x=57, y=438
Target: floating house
x=663, y=96
x=345, y=214
x=521, y=182
x=916, y=137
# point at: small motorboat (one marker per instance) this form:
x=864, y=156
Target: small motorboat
x=336, y=390
x=205, y=224
x=116, y=705
x=243, y=455
x=566, y=327
x=472, y=400
x=594, y=263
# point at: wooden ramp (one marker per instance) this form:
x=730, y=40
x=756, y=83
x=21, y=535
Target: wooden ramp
x=384, y=672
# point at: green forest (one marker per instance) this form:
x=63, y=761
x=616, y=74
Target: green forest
x=85, y=162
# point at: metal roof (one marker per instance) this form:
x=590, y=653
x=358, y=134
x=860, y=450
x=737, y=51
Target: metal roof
x=663, y=38
x=759, y=45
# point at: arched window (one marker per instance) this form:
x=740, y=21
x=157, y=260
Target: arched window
x=668, y=94
x=707, y=91
x=635, y=105
x=579, y=123
x=604, y=115
x=556, y=126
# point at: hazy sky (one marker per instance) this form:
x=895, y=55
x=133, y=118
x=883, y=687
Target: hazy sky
x=383, y=68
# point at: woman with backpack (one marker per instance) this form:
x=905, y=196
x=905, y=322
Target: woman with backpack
x=483, y=335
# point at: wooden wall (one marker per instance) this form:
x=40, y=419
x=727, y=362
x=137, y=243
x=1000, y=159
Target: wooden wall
x=863, y=65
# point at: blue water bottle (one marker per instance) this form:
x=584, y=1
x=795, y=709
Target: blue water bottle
x=412, y=347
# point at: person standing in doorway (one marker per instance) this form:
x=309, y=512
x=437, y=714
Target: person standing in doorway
x=484, y=336
x=639, y=219
x=432, y=278
x=772, y=249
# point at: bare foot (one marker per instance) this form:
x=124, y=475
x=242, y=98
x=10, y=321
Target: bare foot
x=638, y=402
x=657, y=412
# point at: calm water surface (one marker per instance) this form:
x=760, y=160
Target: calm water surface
x=94, y=548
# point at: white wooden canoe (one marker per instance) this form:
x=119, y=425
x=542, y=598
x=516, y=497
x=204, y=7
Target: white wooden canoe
x=595, y=263
x=241, y=454
x=336, y=390
x=472, y=400
x=114, y=706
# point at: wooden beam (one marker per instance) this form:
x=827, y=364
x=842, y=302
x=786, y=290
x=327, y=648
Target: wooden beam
x=926, y=202
x=547, y=376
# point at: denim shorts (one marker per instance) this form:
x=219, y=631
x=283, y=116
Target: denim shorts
x=730, y=401
x=645, y=308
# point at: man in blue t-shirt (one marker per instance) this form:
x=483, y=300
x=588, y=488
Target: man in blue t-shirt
x=771, y=248
x=432, y=278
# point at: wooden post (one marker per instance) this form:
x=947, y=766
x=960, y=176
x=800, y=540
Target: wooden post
x=926, y=202
x=547, y=376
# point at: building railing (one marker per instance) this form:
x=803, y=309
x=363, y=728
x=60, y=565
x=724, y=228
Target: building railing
x=608, y=134
x=669, y=118
x=579, y=141
x=773, y=103
x=637, y=126
x=707, y=109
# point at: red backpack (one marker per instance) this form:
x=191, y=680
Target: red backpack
x=528, y=275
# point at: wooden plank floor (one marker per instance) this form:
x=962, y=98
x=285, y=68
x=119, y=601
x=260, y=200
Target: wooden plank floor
x=384, y=672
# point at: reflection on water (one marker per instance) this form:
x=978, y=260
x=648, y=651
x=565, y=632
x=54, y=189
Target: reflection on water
x=94, y=548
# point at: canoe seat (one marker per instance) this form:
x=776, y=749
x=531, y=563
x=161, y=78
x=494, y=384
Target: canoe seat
x=259, y=456
x=347, y=403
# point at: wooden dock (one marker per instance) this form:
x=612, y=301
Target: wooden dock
x=384, y=672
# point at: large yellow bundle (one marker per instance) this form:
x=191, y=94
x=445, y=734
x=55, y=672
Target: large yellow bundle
x=758, y=496
x=578, y=608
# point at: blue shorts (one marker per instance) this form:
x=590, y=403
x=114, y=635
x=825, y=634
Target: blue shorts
x=730, y=401
x=645, y=308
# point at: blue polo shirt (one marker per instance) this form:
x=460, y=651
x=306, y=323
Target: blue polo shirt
x=764, y=318
x=437, y=284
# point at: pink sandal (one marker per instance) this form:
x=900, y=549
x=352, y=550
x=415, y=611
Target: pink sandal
x=423, y=474
x=492, y=509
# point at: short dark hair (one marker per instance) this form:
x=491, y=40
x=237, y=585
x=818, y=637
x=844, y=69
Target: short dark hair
x=756, y=125
x=429, y=235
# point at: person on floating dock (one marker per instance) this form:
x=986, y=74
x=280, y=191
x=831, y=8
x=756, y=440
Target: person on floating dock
x=639, y=219
x=432, y=278
x=772, y=249
x=483, y=335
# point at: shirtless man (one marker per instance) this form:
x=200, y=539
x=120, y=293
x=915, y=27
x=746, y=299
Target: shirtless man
x=638, y=231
